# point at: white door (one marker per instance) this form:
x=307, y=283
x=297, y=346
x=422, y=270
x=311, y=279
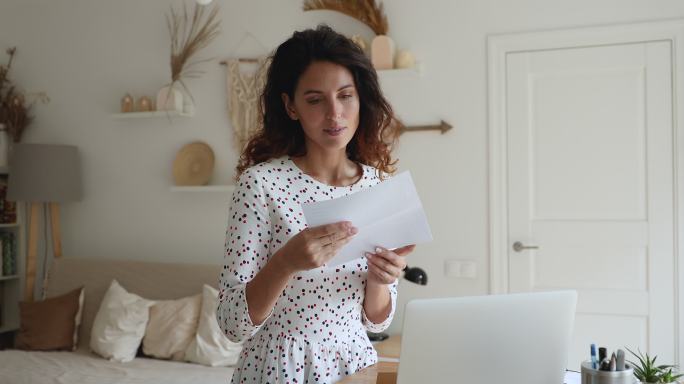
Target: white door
x=590, y=183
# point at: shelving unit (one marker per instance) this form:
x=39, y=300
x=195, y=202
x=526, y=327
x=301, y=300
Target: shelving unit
x=12, y=286
x=384, y=75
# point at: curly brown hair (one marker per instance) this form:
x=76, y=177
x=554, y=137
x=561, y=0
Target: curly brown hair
x=377, y=131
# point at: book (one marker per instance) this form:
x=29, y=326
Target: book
x=10, y=249
x=8, y=209
x=9, y=257
x=5, y=267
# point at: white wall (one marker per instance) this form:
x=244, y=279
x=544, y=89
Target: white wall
x=87, y=53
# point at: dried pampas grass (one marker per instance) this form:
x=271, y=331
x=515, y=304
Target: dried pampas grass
x=366, y=11
x=189, y=34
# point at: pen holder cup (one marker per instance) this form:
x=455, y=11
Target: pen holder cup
x=595, y=376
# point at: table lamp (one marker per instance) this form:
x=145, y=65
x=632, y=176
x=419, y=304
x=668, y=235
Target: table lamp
x=414, y=275
x=42, y=175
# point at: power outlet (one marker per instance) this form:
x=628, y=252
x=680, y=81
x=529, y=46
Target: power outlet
x=460, y=269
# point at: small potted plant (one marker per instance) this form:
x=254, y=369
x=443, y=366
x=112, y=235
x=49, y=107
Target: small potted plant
x=646, y=370
x=15, y=106
x=669, y=377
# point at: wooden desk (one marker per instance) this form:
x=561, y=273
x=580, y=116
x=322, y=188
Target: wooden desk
x=390, y=347
x=384, y=372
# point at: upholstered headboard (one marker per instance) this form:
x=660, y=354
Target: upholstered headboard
x=151, y=280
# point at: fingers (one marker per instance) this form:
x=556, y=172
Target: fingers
x=325, y=230
x=403, y=251
x=380, y=275
x=334, y=232
x=386, y=256
x=334, y=247
x=386, y=261
x=340, y=236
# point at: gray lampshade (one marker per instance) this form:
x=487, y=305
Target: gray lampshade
x=42, y=173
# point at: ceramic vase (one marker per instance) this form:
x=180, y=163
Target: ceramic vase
x=382, y=52
x=170, y=98
x=188, y=105
x=405, y=60
x=127, y=104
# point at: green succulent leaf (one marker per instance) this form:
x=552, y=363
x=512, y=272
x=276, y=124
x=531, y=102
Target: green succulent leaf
x=647, y=371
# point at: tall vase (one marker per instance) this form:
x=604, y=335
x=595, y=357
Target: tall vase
x=170, y=98
x=188, y=104
x=382, y=52
x=4, y=146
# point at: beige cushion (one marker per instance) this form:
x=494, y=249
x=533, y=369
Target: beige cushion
x=149, y=279
x=210, y=346
x=119, y=325
x=50, y=324
x=171, y=327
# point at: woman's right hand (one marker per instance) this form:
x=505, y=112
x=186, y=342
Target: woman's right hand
x=313, y=247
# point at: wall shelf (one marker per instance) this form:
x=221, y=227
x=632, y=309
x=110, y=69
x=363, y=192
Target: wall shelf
x=151, y=114
x=204, y=188
x=10, y=277
x=400, y=73
x=9, y=225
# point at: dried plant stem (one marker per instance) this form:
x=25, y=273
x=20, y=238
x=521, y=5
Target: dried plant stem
x=189, y=34
x=366, y=11
x=14, y=110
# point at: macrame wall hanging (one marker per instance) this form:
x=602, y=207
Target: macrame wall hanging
x=244, y=90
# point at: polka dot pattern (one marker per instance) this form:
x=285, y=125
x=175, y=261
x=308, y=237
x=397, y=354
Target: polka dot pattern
x=316, y=332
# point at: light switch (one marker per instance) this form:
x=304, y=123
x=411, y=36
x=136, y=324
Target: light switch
x=460, y=269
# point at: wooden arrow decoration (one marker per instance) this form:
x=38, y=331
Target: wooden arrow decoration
x=442, y=126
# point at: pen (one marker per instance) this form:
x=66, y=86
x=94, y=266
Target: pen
x=613, y=362
x=604, y=365
x=594, y=361
x=602, y=354
x=620, y=360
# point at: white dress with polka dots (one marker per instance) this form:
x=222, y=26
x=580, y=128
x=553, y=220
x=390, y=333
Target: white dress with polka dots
x=316, y=332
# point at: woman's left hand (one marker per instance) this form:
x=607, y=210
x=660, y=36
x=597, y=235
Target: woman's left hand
x=385, y=266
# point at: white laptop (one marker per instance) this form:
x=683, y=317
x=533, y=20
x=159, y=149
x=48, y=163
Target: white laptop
x=513, y=339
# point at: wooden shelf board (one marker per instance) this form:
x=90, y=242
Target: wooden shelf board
x=203, y=188
x=150, y=115
x=9, y=327
x=404, y=72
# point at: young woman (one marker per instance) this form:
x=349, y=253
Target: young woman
x=324, y=122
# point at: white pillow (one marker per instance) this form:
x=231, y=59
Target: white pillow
x=210, y=346
x=119, y=325
x=171, y=327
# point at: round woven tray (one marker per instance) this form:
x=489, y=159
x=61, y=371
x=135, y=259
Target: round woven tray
x=194, y=164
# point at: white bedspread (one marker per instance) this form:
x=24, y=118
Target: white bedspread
x=83, y=367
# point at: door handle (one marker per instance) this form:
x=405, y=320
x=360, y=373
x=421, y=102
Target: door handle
x=519, y=247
